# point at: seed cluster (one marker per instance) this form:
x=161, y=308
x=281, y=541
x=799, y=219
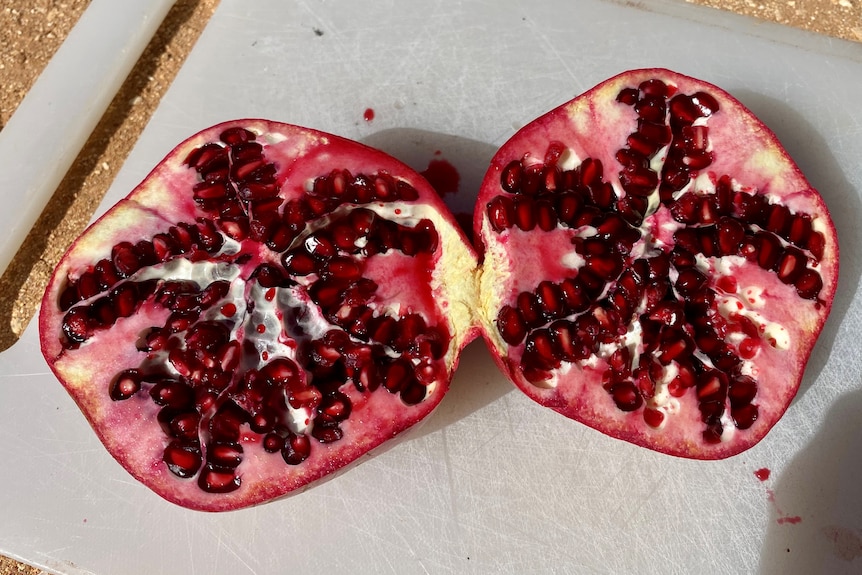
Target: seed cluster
x=661, y=294
x=211, y=384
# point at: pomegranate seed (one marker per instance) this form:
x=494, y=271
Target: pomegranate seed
x=742, y=391
x=214, y=480
x=510, y=178
x=126, y=384
x=530, y=310
x=511, y=325
x=651, y=108
x=327, y=433
x=744, y=416
x=628, y=96
x=591, y=172
x=78, y=326
x=800, y=230
x=413, y=393
x=809, y=284
x=791, y=265
x=296, y=449
x=236, y=135
x=184, y=425
x=299, y=263
x=690, y=281
x=172, y=394
x=626, y=396
x=711, y=386
x=768, y=250
x=182, y=459
x=653, y=417
x=224, y=454
x=546, y=216
x=816, y=245
x=540, y=351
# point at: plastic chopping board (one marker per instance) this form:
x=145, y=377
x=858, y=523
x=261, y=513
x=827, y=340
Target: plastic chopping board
x=491, y=483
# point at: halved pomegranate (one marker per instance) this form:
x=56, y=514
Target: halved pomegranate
x=656, y=266
x=273, y=302
x=267, y=306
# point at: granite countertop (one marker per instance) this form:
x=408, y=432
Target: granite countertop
x=31, y=32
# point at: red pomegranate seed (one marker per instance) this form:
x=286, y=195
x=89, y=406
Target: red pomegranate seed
x=778, y=219
x=183, y=460
x=800, y=230
x=214, y=480
x=224, y=454
x=296, y=449
x=791, y=264
x=540, y=352
x=653, y=417
x=652, y=108
x=511, y=325
x=628, y=96
x=530, y=310
x=626, y=396
x=816, y=245
x=185, y=425
x=510, y=178
x=809, y=284
x=126, y=384
x=744, y=416
x=768, y=250
x=742, y=391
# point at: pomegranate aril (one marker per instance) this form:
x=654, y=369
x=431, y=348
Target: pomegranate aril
x=182, y=459
x=816, y=245
x=172, y=394
x=540, y=350
x=626, y=396
x=217, y=480
x=744, y=416
x=778, y=219
x=791, y=265
x=327, y=433
x=652, y=108
x=224, y=454
x=236, y=135
x=530, y=310
x=742, y=391
x=511, y=325
x=809, y=284
x=296, y=449
x=126, y=384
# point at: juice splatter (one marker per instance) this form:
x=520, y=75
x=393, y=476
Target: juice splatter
x=762, y=474
x=443, y=176
x=368, y=115
x=783, y=518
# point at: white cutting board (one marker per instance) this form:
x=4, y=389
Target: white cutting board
x=491, y=483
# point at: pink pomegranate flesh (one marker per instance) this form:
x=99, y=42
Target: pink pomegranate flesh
x=655, y=265
x=267, y=306
x=273, y=302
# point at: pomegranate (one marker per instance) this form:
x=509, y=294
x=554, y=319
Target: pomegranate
x=272, y=302
x=269, y=304
x=655, y=265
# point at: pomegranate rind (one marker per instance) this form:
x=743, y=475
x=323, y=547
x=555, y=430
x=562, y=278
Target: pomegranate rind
x=129, y=429
x=595, y=125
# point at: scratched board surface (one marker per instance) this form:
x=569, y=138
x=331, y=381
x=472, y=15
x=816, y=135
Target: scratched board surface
x=491, y=483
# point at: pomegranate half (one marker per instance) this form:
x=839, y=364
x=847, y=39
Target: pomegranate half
x=655, y=265
x=272, y=302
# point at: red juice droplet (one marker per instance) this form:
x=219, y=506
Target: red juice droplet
x=762, y=474
x=261, y=328
x=368, y=115
x=228, y=310
x=270, y=294
x=442, y=176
